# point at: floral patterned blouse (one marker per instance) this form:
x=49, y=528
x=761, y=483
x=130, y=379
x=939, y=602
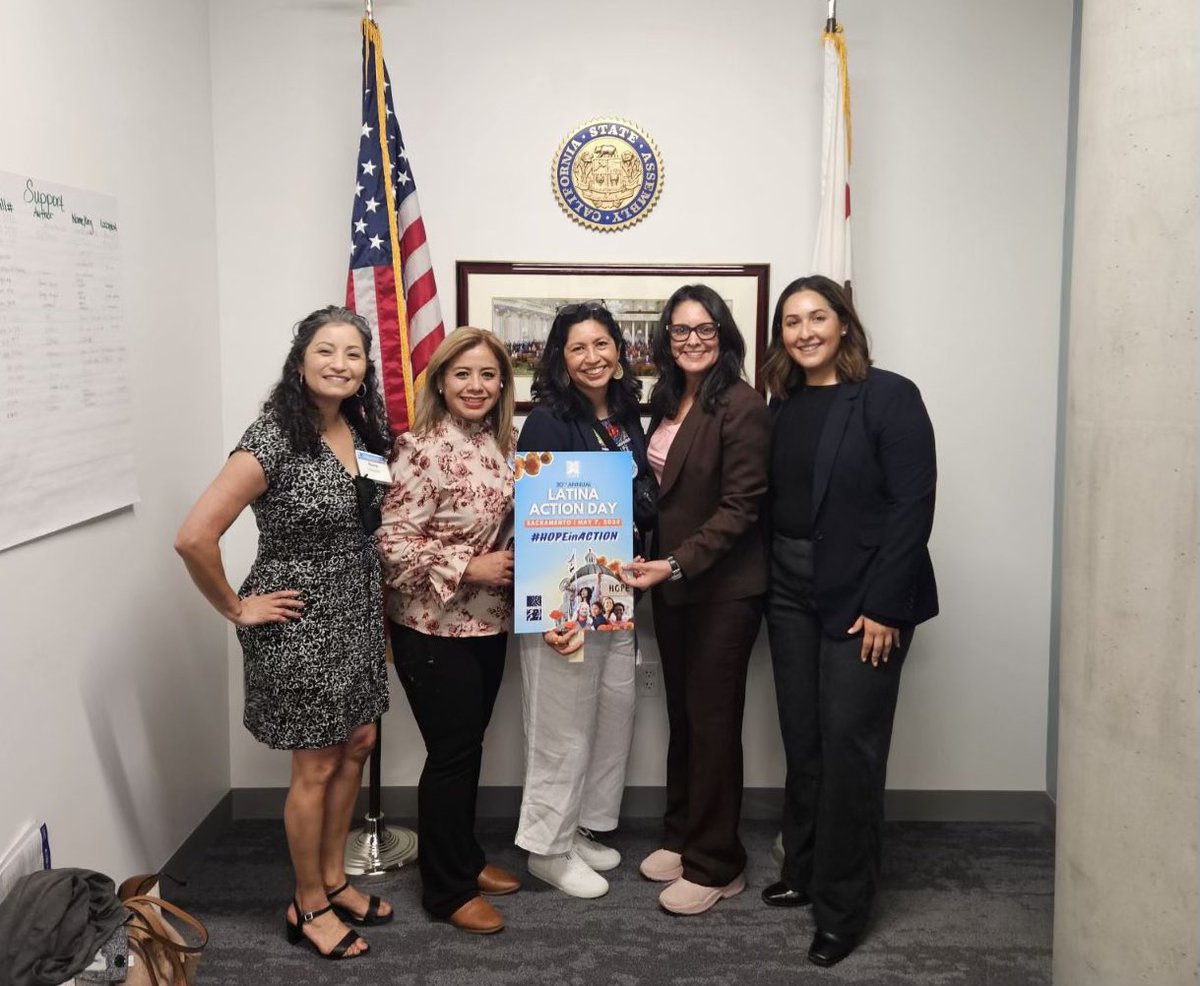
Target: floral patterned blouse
x=451, y=499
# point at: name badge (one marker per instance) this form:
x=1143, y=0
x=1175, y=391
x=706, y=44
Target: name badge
x=373, y=466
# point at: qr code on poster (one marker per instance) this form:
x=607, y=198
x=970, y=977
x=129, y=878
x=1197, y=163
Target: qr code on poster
x=533, y=609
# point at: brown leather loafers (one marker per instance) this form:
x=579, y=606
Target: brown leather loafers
x=477, y=917
x=496, y=882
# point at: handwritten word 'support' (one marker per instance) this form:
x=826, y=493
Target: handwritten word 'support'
x=43, y=202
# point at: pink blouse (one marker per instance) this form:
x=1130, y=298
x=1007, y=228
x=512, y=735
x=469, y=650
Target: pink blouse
x=659, y=445
x=451, y=499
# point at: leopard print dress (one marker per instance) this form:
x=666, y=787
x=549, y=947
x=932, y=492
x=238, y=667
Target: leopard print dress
x=309, y=682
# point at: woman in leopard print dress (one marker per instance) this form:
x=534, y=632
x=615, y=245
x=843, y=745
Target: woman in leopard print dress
x=309, y=614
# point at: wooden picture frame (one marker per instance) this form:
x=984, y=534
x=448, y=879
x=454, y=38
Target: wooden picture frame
x=518, y=301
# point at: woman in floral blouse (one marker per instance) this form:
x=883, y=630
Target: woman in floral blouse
x=446, y=546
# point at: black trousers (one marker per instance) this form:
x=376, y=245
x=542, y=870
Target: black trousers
x=705, y=650
x=835, y=714
x=451, y=684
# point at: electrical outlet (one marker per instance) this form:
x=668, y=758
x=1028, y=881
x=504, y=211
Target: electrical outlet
x=647, y=679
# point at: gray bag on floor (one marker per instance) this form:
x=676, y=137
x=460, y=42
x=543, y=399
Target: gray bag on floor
x=53, y=923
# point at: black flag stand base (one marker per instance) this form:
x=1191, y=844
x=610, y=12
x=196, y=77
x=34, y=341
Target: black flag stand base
x=378, y=847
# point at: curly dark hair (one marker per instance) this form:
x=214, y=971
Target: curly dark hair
x=298, y=416
x=551, y=385
x=731, y=354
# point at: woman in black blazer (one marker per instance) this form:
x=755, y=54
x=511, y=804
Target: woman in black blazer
x=852, y=485
x=708, y=444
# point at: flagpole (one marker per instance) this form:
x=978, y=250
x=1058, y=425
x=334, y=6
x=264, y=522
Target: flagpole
x=831, y=27
x=377, y=847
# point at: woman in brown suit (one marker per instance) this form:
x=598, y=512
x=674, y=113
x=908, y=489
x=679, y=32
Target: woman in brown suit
x=708, y=444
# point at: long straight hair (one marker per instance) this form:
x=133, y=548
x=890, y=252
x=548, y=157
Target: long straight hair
x=731, y=354
x=431, y=404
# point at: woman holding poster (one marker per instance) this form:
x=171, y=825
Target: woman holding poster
x=445, y=545
x=579, y=696
x=709, y=438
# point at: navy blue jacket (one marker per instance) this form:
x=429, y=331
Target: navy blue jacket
x=874, y=480
x=545, y=431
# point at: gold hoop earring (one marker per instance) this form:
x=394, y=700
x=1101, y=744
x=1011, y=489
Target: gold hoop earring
x=619, y=372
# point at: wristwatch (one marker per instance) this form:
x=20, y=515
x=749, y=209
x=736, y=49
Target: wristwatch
x=676, y=571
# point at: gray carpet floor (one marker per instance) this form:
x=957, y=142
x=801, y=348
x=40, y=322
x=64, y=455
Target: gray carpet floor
x=958, y=903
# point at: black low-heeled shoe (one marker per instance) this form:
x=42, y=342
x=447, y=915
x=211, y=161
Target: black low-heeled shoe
x=779, y=894
x=368, y=920
x=296, y=935
x=829, y=949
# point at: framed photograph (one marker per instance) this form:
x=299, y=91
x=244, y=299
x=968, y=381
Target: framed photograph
x=518, y=302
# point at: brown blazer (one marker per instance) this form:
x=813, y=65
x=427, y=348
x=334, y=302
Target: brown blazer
x=712, y=499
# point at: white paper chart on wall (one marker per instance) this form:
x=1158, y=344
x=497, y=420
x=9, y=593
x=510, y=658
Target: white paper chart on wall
x=66, y=411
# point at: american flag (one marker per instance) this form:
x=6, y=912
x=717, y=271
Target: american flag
x=391, y=278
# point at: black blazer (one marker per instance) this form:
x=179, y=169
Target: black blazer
x=710, y=500
x=874, y=480
x=546, y=431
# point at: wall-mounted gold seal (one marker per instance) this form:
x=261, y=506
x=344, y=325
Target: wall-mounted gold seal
x=607, y=174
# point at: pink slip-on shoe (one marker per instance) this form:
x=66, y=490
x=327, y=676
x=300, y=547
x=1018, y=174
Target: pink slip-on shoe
x=685, y=897
x=662, y=865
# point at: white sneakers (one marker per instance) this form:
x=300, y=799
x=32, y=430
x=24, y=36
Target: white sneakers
x=569, y=873
x=599, y=857
x=577, y=872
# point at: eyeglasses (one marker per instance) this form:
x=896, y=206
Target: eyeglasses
x=705, y=330
x=582, y=308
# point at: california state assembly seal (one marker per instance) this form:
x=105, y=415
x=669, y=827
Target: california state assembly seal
x=607, y=174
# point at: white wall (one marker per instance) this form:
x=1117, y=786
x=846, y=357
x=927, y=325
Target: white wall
x=115, y=723
x=960, y=113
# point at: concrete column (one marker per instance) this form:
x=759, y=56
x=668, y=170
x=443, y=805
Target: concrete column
x=1125, y=889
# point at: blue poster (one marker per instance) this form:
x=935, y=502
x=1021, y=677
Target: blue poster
x=574, y=530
